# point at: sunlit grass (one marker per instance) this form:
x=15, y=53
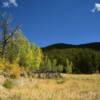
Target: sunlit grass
x=71, y=87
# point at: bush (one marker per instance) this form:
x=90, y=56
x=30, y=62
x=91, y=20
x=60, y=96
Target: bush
x=61, y=81
x=8, y=84
x=12, y=70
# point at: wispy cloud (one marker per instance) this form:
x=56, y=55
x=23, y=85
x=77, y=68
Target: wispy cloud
x=5, y=4
x=9, y=3
x=96, y=7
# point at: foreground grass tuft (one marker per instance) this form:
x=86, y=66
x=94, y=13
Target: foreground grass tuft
x=8, y=84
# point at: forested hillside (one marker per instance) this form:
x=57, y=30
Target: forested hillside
x=83, y=58
x=93, y=45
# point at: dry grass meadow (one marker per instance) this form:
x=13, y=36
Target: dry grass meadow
x=71, y=87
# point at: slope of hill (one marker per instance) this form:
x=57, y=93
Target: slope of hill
x=84, y=57
x=93, y=45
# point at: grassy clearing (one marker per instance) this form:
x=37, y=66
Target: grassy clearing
x=71, y=87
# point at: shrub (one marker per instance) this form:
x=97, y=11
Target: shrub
x=61, y=81
x=13, y=70
x=8, y=84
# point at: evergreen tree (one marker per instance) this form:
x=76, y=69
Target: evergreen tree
x=69, y=66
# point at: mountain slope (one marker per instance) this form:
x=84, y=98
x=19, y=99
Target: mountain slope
x=84, y=57
x=94, y=46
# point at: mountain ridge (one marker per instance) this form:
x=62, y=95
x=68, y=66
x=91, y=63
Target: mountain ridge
x=91, y=45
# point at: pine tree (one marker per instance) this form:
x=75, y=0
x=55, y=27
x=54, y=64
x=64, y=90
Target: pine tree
x=69, y=66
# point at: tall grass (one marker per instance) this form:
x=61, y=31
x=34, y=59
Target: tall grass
x=71, y=87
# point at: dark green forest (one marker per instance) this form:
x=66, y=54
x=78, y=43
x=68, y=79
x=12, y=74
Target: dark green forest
x=78, y=59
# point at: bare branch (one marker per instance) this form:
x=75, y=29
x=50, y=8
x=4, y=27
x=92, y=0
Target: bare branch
x=14, y=31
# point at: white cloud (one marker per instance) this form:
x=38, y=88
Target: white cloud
x=9, y=3
x=96, y=7
x=5, y=4
x=13, y=2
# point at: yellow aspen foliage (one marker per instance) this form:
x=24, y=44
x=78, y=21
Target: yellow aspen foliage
x=13, y=70
x=39, y=57
x=2, y=64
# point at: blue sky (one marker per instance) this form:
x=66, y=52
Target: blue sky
x=56, y=21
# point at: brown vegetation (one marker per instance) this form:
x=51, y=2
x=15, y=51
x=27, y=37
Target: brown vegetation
x=71, y=87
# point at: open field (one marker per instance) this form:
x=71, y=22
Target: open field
x=71, y=87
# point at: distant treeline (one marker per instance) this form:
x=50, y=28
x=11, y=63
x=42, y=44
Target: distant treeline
x=74, y=59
